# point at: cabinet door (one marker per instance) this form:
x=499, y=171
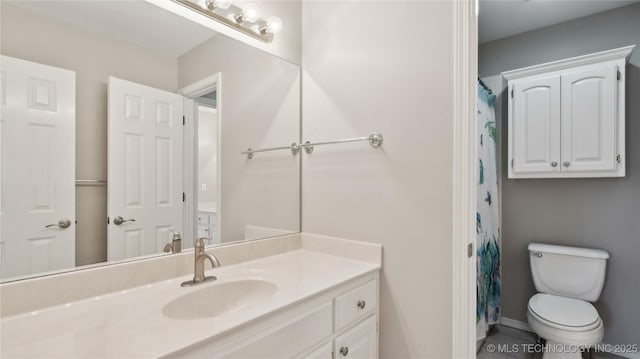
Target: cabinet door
x=534, y=126
x=287, y=340
x=359, y=342
x=589, y=119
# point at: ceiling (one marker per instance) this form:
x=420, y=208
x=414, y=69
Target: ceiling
x=137, y=22
x=503, y=18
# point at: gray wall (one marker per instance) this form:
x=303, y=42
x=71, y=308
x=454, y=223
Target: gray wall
x=598, y=213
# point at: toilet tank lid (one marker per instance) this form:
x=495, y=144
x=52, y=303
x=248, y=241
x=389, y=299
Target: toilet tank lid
x=568, y=251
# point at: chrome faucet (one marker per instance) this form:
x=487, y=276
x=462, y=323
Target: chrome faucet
x=198, y=270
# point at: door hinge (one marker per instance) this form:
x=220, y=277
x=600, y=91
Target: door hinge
x=618, y=158
x=470, y=250
x=108, y=220
x=184, y=197
x=184, y=120
x=512, y=162
x=512, y=92
x=619, y=75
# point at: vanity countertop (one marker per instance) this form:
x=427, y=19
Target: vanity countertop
x=130, y=323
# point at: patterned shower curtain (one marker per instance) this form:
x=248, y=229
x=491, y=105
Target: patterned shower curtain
x=487, y=217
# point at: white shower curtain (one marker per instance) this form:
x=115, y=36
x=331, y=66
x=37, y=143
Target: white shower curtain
x=487, y=217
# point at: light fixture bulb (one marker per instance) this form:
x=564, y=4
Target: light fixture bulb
x=250, y=13
x=274, y=25
x=222, y=4
x=255, y=28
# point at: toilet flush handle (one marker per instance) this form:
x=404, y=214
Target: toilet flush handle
x=537, y=254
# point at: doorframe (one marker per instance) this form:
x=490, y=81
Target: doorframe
x=190, y=93
x=465, y=73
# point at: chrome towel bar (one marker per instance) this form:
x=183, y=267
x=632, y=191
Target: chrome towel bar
x=374, y=139
x=295, y=148
x=90, y=182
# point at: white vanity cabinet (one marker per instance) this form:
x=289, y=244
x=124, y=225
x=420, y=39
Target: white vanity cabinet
x=208, y=227
x=340, y=323
x=567, y=118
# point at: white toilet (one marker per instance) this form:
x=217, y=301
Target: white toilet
x=567, y=279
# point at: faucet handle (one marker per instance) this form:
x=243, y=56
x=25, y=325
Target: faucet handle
x=176, y=234
x=200, y=242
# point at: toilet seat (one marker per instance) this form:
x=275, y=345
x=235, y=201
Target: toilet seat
x=564, y=313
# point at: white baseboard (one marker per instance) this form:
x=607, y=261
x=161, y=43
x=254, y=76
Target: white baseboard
x=517, y=324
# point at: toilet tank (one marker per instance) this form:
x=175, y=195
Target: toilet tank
x=568, y=271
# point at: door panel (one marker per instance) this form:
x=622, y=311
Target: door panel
x=535, y=126
x=588, y=119
x=38, y=168
x=145, y=168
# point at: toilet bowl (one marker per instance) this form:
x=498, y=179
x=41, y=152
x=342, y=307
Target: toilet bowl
x=568, y=279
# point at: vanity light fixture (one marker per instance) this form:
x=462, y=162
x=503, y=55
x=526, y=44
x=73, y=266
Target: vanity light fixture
x=246, y=19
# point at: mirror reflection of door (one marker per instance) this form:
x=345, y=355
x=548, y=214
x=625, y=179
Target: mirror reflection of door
x=145, y=186
x=37, y=127
x=207, y=177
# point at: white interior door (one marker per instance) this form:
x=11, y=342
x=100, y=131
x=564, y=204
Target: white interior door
x=37, y=127
x=534, y=125
x=145, y=186
x=588, y=119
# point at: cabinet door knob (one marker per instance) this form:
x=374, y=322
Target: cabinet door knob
x=566, y=164
x=361, y=304
x=344, y=351
x=554, y=164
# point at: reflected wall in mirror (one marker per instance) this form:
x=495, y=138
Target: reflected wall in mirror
x=97, y=163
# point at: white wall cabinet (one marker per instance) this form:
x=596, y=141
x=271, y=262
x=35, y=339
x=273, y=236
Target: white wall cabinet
x=340, y=323
x=567, y=118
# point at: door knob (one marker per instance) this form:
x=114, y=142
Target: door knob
x=344, y=351
x=119, y=220
x=554, y=164
x=62, y=224
x=566, y=164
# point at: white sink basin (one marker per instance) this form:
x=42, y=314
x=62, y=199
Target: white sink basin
x=219, y=298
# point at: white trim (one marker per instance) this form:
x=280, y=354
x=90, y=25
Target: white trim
x=190, y=92
x=189, y=164
x=516, y=324
x=598, y=57
x=201, y=87
x=465, y=61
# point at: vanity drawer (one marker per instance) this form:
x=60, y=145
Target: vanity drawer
x=355, y=304
x=203, y=218
x=204, y=232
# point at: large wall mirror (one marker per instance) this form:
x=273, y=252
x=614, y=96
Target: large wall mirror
x=123, y=123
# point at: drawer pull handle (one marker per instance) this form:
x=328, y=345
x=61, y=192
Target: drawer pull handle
x=344, y=351
x=361, y=304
